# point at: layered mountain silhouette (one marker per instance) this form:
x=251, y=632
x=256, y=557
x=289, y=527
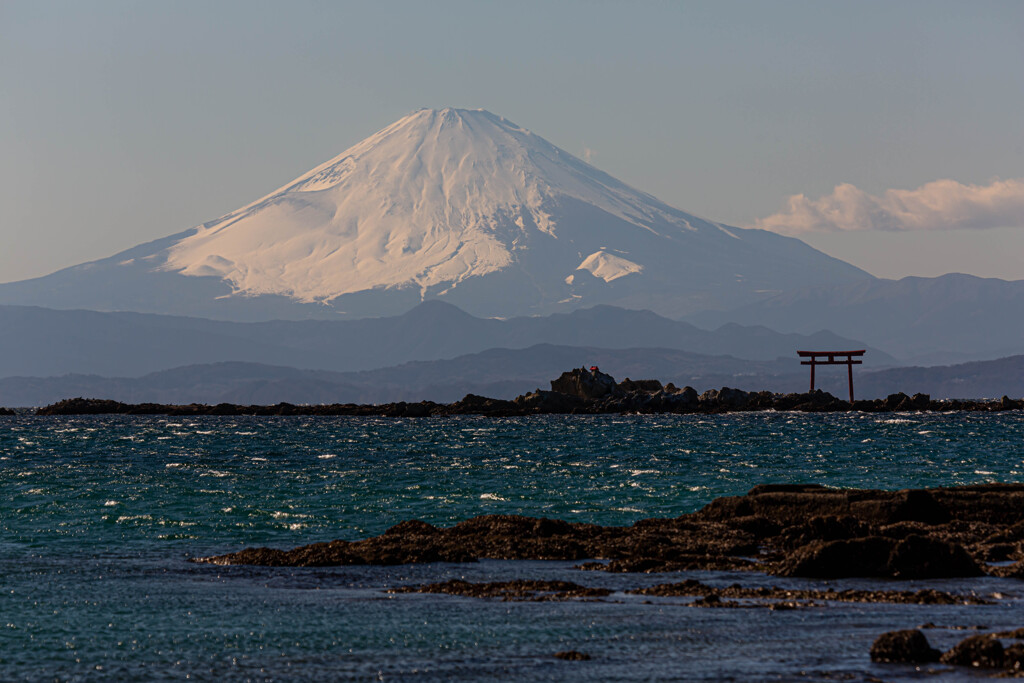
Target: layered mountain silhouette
x=929, y=321
x=43, y=342
x=504, y=373
x=456, y=205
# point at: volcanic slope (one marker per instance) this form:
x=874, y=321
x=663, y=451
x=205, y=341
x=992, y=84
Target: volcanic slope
x=458, y=205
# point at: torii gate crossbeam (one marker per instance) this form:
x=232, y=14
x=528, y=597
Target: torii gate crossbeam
x=832, y=358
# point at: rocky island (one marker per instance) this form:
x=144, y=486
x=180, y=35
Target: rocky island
x=580, y=391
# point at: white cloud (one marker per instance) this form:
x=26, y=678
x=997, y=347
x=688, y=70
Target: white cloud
x=938, y=205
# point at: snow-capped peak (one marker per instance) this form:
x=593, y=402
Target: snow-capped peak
x=431, y=200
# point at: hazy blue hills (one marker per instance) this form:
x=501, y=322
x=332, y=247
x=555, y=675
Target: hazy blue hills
x=500, y=373
x=505, y=373
x=930, y=321
x=42, y=342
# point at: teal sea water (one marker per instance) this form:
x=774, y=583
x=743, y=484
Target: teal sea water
x=99, y=515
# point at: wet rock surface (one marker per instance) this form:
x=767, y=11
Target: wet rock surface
x=580, y=391
x=737, y=592
x=522, y=589
x=914, y=557
x=788, y=530
x=704, y=595
x=982, y=651
x=572, y=656
x=909, y=646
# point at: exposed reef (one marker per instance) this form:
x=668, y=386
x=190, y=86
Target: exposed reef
x=784, y=530
x=706, y=595
x=981, y=651
x=580, y=392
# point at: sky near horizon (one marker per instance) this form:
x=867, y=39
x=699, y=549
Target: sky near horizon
x=888, y=134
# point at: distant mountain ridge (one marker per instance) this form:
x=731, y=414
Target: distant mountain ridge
x=458, y=205
x=42, y=342
x=502, y=373
x=505, y=373
x=947, y=319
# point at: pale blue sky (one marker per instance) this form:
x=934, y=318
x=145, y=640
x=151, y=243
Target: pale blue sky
x=121, y=122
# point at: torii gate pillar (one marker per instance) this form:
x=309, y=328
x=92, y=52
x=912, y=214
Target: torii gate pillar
x=832, y=358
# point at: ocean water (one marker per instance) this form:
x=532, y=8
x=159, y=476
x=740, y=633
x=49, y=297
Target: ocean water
x=99, y=516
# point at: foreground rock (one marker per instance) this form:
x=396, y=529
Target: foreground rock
x=6, y=412
x=909, y=647
x=913, y=557
x=801, y=530
x=579, y=391
x=983, y=651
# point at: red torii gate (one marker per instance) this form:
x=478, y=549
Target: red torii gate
x=849, y=362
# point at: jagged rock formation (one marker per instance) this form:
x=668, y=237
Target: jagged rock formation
x=800, y=530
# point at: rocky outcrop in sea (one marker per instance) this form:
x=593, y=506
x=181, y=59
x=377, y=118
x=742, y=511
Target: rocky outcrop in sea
x=576, y=392
x=783, y=530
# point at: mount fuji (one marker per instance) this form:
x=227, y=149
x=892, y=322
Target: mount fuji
x=458, y=205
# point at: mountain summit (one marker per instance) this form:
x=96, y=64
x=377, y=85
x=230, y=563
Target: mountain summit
x=460, y=205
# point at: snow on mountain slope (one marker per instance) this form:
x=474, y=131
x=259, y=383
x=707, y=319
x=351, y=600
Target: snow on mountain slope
x=607, y=266
x=454, y=204
x=434, y=199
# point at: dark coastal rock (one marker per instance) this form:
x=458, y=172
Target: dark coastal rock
x=1013, y=658
x=914, y=557
x=910, y=646
x=1017, y=634
x=725, y=399
x=679, y=563
x=737, y=592
x=981, y=651
x=921, y=557
x=83, y=406
x=521, y=589
x=900, y=402
x=707, y=596
x=1013, y=571
x=475, y=405
x=825, y=528
x=578, y=391
x=548, y=402
x=6, y=412
x=905, y=506
x=791, y=530
x=645, y=386
x=586, y=384
x=999, y=552
x=572, y=656
x=837, y=559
